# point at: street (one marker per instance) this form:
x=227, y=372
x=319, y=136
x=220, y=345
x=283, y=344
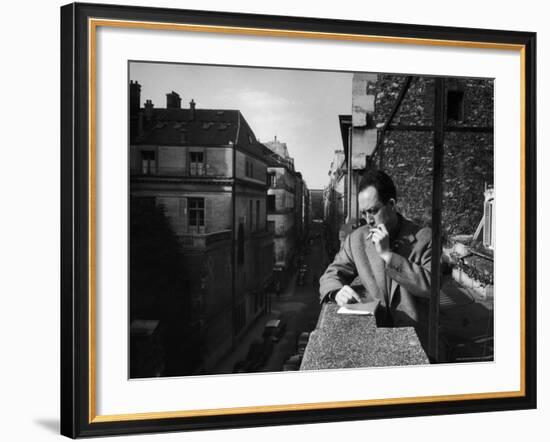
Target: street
x=297, y=305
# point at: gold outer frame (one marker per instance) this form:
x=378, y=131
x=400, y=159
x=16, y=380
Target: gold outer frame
x=94, y=23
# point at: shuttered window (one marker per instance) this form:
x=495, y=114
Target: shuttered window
x=148, y=162
x=196, y=163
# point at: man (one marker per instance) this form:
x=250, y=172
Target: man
x=390, y=255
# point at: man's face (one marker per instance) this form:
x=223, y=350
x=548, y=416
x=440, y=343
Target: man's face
x=374, y=212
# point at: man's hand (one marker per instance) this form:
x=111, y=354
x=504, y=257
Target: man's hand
x=381, y=240
x=346, y=295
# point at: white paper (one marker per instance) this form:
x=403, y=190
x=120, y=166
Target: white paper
x=361, y=308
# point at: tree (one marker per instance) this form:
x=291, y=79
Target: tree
x=159, y=284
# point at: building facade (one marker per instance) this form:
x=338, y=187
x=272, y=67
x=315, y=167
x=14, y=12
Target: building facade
x=405, y=150
x=335, y=201
x=288, y=211
x=207, y=171
x=317, y=204
x=391, y=127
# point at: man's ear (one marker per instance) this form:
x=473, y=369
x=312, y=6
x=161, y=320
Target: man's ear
x=391, y=202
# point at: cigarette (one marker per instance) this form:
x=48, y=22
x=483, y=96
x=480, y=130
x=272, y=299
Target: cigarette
x=370, y=233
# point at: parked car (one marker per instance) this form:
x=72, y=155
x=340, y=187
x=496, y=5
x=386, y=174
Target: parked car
x=274, y=329
x=292, y=363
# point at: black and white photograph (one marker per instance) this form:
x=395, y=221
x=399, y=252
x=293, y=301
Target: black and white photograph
x=285, y=220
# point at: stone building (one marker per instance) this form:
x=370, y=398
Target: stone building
x=391, y=127
x=286, y=212
x=317, y=204
x=305, y=216
x=335, y=200
x=208, y=172
x=299, y=220
x=405, y=146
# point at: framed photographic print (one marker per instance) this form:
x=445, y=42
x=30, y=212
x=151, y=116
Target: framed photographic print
x=274, y=220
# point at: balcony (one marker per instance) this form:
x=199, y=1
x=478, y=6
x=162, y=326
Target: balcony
x=202, y=241
x=353, y=341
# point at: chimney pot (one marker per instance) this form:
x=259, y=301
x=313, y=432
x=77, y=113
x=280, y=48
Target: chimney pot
x=173, y=100
x=135, y=97
x=192, y=105
x=149, y=109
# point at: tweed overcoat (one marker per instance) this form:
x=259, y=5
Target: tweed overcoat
x=403, y=283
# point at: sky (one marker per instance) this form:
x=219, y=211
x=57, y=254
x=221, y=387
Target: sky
x=300, y=107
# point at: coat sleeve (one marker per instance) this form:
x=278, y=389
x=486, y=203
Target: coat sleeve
x=340, y=272
x=414, y=273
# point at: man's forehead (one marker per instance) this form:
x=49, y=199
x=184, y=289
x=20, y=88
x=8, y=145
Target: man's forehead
x=369, y=196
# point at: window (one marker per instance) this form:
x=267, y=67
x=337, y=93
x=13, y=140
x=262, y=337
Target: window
x=271, y=203
x=272, y=180
x=148, y=163
x=196, y=212
x=249, y=169
x=196, y=163
x=455, y=105
x=271, y=226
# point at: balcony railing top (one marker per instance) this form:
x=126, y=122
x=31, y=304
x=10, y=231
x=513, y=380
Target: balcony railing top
x=353, y=341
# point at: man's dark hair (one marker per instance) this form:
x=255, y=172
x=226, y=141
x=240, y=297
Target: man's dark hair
x=382, y=182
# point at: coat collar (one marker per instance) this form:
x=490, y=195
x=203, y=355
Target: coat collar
x=406, y=234
x=404, y=240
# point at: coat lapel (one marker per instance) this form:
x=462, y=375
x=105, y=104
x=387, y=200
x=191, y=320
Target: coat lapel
x=402, y=245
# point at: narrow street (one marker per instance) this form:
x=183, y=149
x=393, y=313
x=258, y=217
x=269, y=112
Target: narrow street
x=298, y=305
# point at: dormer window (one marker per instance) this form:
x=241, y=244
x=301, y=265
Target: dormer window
x=196, y=163
x=148, y=162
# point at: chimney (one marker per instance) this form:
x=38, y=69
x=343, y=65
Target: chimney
x=149, y=110
x=135, y=97
x=173, y=100
x=192, y=107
